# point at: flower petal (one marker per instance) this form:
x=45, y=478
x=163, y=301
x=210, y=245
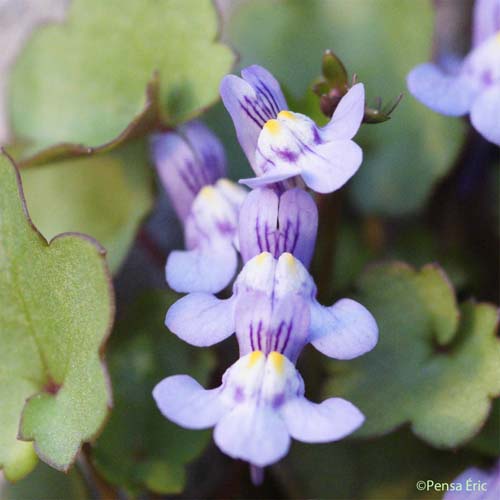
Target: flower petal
x=179, y=170
x=345, y=330
x=331, y=165
x=289, y=326
x=208, y=149
x=347, y=117
x=298, y=224
x=201, y=319
x=254, y=433
x=271, y=176
x=183, y=401
x=486, y=20
x=447, y=94
x=258, y=223
x=266, y=86
x=206, y=269
x=251, y=102
x=252, y=320
x=485, y=114
x=330, y=420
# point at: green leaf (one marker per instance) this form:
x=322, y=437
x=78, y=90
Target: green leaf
x=488, y=440
x=47, y=484
x=84, y=81
x=404, y=157
x=57, y=308
x=385, y=468
x=140, y=449
x=436, y=366
x=106, y=196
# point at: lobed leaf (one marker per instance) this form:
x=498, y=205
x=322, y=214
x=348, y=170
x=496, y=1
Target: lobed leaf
x=105, y=195
x=82, y=83
x=436, y=366
x=56, y=310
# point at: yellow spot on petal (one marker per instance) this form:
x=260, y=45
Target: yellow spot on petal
x=254, y=358
x=208, y=193
x=262, y=258
x=273, y=127
x=287, y=115
x=289, y=259
x=497, y=37
x=277, y=360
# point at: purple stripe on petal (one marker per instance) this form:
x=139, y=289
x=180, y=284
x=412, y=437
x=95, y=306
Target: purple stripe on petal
x=287, y=338
x=252, y=320
x=257, y=223
x=290, y=315
x=263, y=80
x=298, y=223
x=208, y=149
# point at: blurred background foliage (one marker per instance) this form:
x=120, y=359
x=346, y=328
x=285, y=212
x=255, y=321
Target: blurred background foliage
x=427, y=192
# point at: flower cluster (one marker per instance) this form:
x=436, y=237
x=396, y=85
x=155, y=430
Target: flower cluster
x=471, y=86
x=273, y=310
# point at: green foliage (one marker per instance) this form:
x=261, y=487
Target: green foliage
x=488, y=440
x=46, y=484
x=105, y=195
x=57, y=307
x=140, y=449
x=404, y=157
x=384, y=468
x=84, y=81
x=436, y=366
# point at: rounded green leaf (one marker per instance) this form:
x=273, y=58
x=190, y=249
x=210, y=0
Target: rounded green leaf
x=84, y=81
x=57, y=308
x=105, y=195
x=436, y=366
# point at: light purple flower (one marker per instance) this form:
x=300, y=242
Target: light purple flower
x=211, y=234
x=278, y=223
x=186, y=160
x=342, y=331
x=476, y=484
x=280, y=144
x=472, y=86
x=190, y=164
x=260, y=405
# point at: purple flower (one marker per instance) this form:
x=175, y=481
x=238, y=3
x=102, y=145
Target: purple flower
x=280, y=144
x=186, y=160
x=211, y=234
x=471, y=86
x=342, y=331
x=476, y=484
x=260, y=405
x=190, y=164
x=278, y=223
